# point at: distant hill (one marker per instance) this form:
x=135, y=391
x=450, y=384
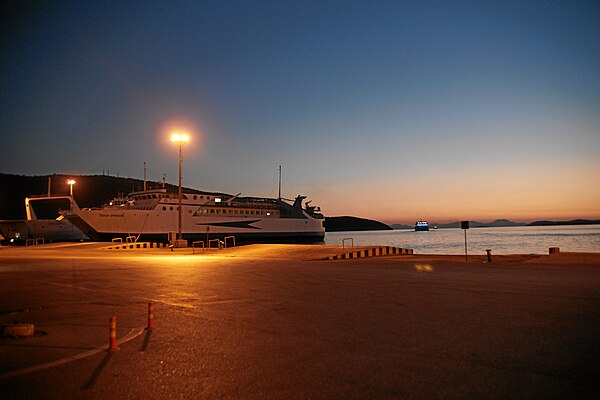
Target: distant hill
x=472, y=224
x=506, y=222
x=477, y=224
x=401, y=226
x=345, y=223
x=571, y=222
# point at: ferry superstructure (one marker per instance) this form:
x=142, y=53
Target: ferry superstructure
x=153, y=214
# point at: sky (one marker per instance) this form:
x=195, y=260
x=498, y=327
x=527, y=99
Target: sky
x=388, y=110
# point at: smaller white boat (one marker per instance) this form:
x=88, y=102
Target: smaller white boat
x=421, y=226
x=49, y=225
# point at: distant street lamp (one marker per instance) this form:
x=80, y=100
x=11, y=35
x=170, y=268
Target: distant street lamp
x=71, y=182
x=180, y=138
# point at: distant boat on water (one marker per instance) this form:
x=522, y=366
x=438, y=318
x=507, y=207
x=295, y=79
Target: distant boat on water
x=421, y=226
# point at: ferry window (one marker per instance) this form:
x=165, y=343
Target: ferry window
x=212, y=211
x=268, y=213
x=171, y=208
x=164, y=208
x=195, y=197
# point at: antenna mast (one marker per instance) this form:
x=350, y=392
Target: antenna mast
x=144, y=176
x=279, y=198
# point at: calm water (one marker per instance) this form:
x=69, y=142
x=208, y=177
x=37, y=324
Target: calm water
x=508, y=240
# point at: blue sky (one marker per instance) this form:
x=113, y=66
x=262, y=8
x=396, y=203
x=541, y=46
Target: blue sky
x=388, y=110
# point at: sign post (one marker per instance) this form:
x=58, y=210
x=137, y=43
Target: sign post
x=465, y=225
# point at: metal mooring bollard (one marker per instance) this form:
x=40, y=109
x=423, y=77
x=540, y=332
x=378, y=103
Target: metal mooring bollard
x=489, y=255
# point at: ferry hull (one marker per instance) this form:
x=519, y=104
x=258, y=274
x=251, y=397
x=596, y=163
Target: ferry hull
x=240, y=238
x=48, y=229
x=144, y=228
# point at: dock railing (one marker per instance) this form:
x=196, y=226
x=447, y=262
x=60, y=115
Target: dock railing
x=34, y=242
x=198, y=243
x=228, y=237
x=217, y=241
x=344, y=242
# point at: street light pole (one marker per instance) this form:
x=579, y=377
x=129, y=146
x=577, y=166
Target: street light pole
x=180, y=138
x=180, y=189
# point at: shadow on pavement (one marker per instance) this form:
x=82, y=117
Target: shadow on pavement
x=90, y=383
x=146, y=340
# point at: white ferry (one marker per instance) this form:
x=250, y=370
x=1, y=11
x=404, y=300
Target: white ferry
x=153, y=215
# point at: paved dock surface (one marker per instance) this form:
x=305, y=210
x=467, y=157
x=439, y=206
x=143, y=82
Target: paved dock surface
x=274, y=322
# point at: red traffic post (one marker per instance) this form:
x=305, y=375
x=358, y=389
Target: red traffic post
x=150, y=326
x=112, y=344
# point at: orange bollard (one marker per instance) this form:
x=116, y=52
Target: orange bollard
x=112, y=345
x=150, y=326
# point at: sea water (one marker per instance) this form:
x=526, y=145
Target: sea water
x=505, y=240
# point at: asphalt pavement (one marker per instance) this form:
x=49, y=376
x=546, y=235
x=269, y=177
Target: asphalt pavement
x=277, y=322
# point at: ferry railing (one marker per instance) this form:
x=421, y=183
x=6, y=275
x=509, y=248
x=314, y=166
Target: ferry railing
x=198, y=243
x=347, y=239
x=117, y=240
x=228, y=237
x=130, y=239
